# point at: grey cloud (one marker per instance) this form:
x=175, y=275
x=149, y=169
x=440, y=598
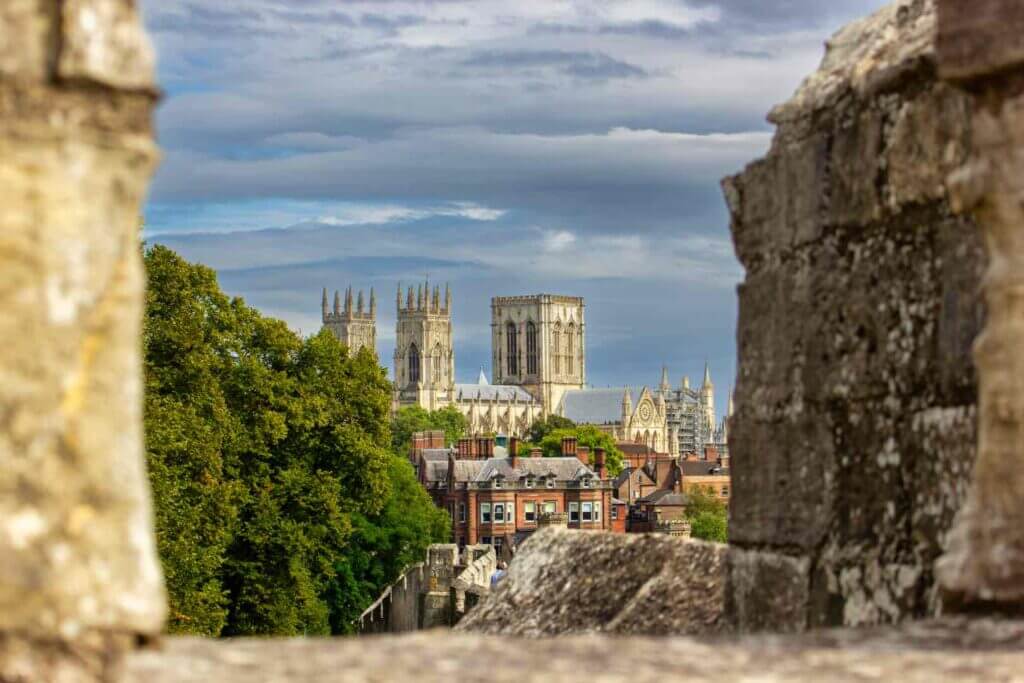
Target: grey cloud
x=596, y=65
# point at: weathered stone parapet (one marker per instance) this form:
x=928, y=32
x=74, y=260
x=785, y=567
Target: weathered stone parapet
x=980, y=47
x=677, y=528
x=566, y=581
x=78, y=568
x=854, y=427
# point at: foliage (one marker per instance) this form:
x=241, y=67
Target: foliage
x=279, y=507
x=411, y=419
x=708, y=515
x=586, y=435
x=382, y=546
x=542, y=428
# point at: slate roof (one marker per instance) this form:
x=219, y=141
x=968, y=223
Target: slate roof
x=492, y=392
x=701, y=468
x=595, y=406
x=664, y=497
x=561, y=468
x=434, y=454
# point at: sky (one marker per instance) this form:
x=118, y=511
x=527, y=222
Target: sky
x=503, y=146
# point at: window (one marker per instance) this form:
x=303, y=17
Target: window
x=585, y=483
x=551, y=483
x=510, y=512
x=530, y=511
x=588, y=512
x=499, y=513
x=570, y=350
x=414, y=364
x=486, y=540
x=497, y=542
x=725, y=490
x=512, y=346
x=597, y=512
x=529, y=483
x=556, y=353
x=531, y=348
x=496, y=483
x=550, y=506
x=615, y=511
x=462, y=512
x=462, y=541
x=485, y=513
x=436, y=362
x=574, y=512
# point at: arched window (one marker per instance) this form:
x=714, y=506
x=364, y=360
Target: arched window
x=570, y=350
x=414, y=364
x=556, y=343
x=512, y=347
x=531, y=348
x=436, y=362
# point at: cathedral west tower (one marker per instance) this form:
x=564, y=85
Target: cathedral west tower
x=424, y=358
x=537, y=343
x=355, y=325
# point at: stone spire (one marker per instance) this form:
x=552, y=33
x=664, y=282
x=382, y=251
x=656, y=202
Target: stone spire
x=373, y=304
x=686, y=382
x=482, y=379
x=398, y=298
x=348, y=300
x=447, y=298
x=665, y=387
x=419, y=297
x=437, y=298
x=409, y=300
x=337, y=302
x=731, y=408
x=359, y=302
x=627, y=403
x=323, y=305
x=707, y=375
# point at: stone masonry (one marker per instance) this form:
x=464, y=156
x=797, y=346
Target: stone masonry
x=854, y=432
x=79, y=577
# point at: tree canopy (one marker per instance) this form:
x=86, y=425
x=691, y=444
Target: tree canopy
x=586, y=435
x=411, y=419
x=275, y=487
x=708, y=515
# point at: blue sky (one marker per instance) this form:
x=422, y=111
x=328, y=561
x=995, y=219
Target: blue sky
x=564, y=146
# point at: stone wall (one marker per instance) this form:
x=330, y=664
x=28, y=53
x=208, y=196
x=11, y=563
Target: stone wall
x=854, y=432
x=79, y=577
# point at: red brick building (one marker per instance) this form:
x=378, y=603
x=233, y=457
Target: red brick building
x=496, y=496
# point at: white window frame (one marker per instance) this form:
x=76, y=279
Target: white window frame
x=587, y=511
x=597, y=512
x=574, y=512
x=510, y=512
x=529, y=483
x=553, y=504
x=499, y=513
x=615, y=511
x=496, y=542
x=551, y=483
x=462, y=513
x=485, y=513
x=530, y=511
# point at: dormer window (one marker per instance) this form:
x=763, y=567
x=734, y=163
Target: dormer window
x=551, y=483
x=529, y=483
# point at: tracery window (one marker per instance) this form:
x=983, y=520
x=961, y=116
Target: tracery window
x=531, y=348
x=570, y=351
x=414, y=364
x=556, y=343
x=512, y=348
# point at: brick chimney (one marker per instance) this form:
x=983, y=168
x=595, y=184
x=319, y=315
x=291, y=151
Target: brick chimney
x=569, y=447
x=599, y=463
x=513, y=451
x=465, y=449
x=711, y=453
x=583, y=453
x=435, y=439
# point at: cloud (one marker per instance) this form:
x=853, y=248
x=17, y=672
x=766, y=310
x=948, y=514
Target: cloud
x=595, y=65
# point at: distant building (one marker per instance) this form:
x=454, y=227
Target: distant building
x=691, y=414
x=628, y=416
x=355, y=325
x=499, y=498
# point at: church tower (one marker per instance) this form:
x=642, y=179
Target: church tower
x=707, y=399
x=537, y=342
x=355, y=325
x=424, y=358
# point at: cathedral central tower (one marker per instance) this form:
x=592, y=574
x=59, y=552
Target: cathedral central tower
x=424, y=358
x=537, y=343
x=355, y=324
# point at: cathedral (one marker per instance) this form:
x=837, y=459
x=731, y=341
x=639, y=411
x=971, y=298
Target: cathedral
x=538, y=362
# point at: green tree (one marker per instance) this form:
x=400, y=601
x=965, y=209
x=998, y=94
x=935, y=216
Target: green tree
x=586, y=435
x=265, y=452
x=383, y=545
x=411, y=419
x=708, y=515
x=541, y=428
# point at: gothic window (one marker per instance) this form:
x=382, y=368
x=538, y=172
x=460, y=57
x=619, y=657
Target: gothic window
x=531, y=348
x=437, y=365
x=414, y=364
x=570, y=351
x=512, y=346
x=556, y=339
